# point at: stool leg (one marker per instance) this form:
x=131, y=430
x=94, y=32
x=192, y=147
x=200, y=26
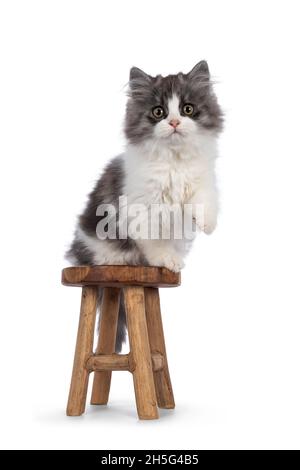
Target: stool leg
x=162, y=381
x=106, y=342
x=84, y=348
x=140, y=353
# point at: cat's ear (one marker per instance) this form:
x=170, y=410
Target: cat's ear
x=200, y=71
x=138, y=78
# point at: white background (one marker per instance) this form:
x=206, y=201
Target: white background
x=232, y=329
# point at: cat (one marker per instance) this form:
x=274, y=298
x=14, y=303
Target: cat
x=171, y=126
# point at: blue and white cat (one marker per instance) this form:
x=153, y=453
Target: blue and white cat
x=172, y=124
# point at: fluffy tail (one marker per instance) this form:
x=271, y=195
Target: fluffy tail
x=122, y=325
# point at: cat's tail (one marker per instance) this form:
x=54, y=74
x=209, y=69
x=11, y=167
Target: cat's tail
x=122, y=325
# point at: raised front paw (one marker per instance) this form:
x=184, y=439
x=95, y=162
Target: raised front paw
x=206, y=220
x=210, y=224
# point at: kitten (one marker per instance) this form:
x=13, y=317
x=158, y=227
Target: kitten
x=171, y=126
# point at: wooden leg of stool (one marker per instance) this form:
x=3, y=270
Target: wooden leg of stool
x=140, y=353
x=84, y=348
x=106, y=342
x=163, y=386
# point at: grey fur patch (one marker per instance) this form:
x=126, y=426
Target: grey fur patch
x=108, y=189
x=80, y=253
x=146, y=92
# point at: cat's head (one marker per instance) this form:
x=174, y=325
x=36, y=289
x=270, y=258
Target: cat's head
x=171, y=109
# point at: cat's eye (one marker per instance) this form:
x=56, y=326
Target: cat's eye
x=158, y=112
x=188, y=109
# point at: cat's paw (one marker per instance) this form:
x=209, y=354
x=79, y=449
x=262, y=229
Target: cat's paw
x=169, y=260
x=173, y=262
x=209, y=225
x=207, y=222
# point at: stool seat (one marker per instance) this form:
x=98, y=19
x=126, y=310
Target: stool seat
x=118, y=276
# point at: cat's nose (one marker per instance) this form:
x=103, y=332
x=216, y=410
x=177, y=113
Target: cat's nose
x=174, y=123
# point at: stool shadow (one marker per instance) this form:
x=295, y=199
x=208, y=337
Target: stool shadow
x=115, y=412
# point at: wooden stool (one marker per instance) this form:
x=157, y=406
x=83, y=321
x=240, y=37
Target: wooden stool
x=147, y=359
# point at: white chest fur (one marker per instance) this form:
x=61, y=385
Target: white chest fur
x=166, y=175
